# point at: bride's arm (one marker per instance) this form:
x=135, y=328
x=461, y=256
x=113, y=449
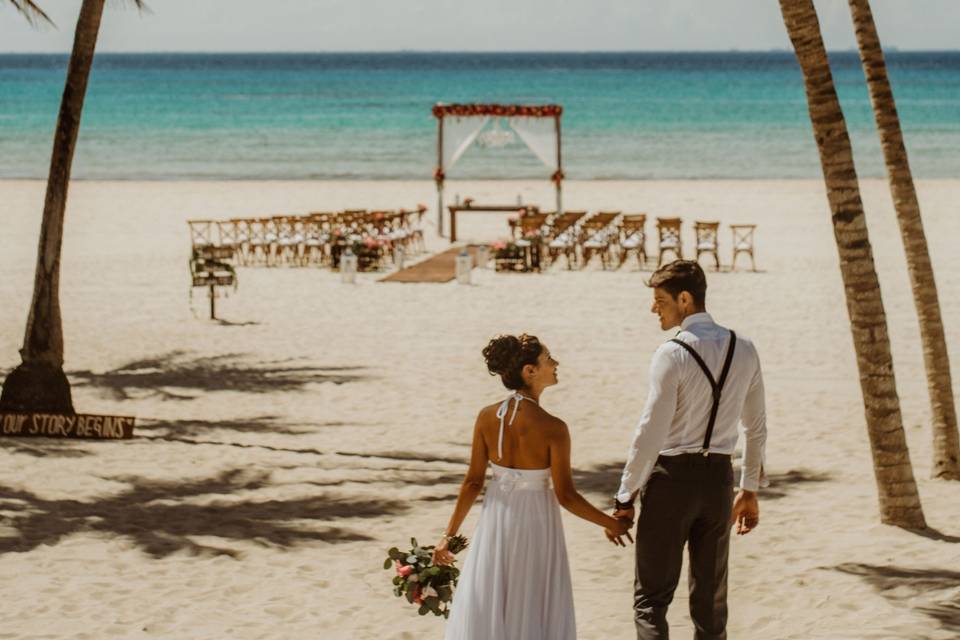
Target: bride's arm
x=567, y=494
x=469, y=490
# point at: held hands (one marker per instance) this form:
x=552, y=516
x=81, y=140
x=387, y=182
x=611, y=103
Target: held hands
x=620, y=526
x=746, y=512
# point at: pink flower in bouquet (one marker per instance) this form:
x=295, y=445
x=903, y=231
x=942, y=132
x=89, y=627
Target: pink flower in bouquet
x=499, y=245
x=532, y=233
x=522, y=211
x=338, y=233
x=371, y=243
x=405, y=570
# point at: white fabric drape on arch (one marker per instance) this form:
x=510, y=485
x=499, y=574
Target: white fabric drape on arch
x=458, y=135
x=540, y=135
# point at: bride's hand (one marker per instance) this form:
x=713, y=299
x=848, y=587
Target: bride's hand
x=619, y=527
x=440, y=553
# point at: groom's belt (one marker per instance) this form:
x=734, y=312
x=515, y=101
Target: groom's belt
x=694, y=458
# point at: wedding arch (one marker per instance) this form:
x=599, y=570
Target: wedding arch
x=459, y=125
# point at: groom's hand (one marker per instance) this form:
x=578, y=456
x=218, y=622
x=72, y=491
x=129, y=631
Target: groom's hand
x=746, y=512
x=624, y=513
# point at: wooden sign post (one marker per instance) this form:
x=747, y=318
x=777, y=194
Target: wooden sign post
x=210, y=268
x=80, y=425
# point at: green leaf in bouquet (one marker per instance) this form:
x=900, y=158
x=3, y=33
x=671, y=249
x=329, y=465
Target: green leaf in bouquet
x=413, y=577
x=397, y=579
x=444, y=592
x=398, y=591
x=424, y=609
x=409, y=595
x=388, y=563
x=446, y=613
x=413, y=543
x=411, y=559
x=395, y=553
x=434, y=603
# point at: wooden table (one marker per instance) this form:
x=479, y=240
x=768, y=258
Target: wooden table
x=493, y=208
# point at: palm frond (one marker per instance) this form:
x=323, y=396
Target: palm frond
x=139, y=4
x=32, y=12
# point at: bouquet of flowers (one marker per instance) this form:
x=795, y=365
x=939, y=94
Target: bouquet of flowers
x=423, y=583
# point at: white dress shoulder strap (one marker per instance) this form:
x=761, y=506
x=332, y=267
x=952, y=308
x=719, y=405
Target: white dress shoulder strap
x=501, y=414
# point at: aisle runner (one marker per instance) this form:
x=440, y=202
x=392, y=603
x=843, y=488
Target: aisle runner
x=439, y=268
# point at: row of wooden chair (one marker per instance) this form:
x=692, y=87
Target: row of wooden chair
x=579, y=237
x=313, y=239
x=670, y=240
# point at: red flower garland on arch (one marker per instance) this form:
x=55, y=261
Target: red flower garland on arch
x=557, y=176
x=498, y=110
x=439, y=176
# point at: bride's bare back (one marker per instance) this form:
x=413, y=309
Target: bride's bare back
x=526, y=439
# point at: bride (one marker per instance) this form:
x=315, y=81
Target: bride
x=515, y=583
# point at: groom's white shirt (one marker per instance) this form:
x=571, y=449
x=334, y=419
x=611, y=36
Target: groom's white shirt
x=675, y=417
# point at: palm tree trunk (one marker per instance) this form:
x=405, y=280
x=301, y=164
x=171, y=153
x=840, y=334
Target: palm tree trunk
x=946, y=440
x=39, y=384
x=899, y=500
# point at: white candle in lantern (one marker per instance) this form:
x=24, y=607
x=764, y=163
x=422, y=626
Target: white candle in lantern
x=464, y=266
x=348, y=267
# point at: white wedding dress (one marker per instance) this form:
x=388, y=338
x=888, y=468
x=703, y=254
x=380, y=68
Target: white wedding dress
x=515, y=583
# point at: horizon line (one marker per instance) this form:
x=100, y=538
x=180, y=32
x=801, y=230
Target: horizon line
x=893, y=49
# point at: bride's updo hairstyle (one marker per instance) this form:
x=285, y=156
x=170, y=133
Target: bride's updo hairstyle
x=507, y=355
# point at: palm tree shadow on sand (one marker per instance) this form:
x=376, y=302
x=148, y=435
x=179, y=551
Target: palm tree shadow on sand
x=169, y=374
x=604, y=479
x=902, y=586
x=165, y=517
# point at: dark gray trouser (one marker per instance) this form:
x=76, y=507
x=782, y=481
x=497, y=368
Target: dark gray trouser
x=687, y=501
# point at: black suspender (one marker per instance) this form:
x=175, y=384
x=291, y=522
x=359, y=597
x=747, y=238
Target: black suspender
x=716, y=385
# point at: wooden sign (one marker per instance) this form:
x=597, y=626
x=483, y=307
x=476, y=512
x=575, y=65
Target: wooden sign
x=81, y=425
x=210, y=252
x=212, y=279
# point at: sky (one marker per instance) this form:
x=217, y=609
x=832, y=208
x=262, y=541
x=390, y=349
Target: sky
x=471, y=25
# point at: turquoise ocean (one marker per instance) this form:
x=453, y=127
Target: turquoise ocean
x=367, y=116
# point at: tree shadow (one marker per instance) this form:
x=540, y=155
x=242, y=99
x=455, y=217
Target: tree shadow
x=781, y=484
x=164, y=517
x=404, y=455
x=45, y=447
x=212, y=373
x=935, y=534
x=903, y=586
x=604, y=479
x=260, y=424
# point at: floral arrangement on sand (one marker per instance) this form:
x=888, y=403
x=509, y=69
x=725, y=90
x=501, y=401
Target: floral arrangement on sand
x=427, y=585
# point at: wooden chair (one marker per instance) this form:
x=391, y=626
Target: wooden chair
x=708, y=239
x=633, y=237
x=533, y=228
x=259, y=244
x=670, y=238
x=598, y=233
x=414, y=227
x=743, y=242
x=242, y=230
x=202, y=233
x=563, y=235
x=285, y=244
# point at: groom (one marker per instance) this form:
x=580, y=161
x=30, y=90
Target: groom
x=702, y=383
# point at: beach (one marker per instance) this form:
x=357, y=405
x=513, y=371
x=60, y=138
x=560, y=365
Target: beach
x=281, y=451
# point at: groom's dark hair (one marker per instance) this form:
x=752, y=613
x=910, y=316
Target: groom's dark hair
x=681, y=275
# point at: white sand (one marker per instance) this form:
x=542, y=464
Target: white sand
x=306, y=483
